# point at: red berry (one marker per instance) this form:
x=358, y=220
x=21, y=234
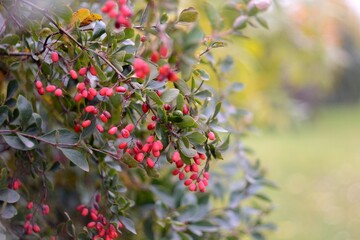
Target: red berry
x=29, y=205
x=81, y=87
x=103, y=118
x=82, y=71
x=100, y=128
x=73, y=74
x=80, y=207
x=173, y=77
x=155, y=57
x=112, y=13
x=139, y=157
x=90, y=109
x=109, y=92
x=176, y=156
x=92, y=92
x=151, y=126
x=58, y=92
x=92, y=70
x=192, y=187
x=143, y=38
x=211, y=136
x=29, y=216
x=141, y=68
x=120, y=89
x=167, y=107
x=85, y=212
x=36, y=228
x=126, y=11
x=29, y=230
x=201, y=186
x=188, y=182
x=181, y=176
x=156, y=153
x=206, y=175
x=122, y=145
x=54, y=57
x=150, y=162
x=175, y=172
x=86, y=123
x=145, y=107
x=45, y=209
x=77, y=128
x=41, y=91
x=130, y=127
x=164, y=70
x=125, y=133
x=38, y=84
x=113, y=130
x=150, y=139
x=163, y=51
x=50, y=88
x=78, y=97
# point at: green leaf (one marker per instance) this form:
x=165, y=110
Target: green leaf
x=9, y=196
x=25, y=109
x=187, y=122
x=188, y=15
x=128, y=223
x=11, y=89
x=164, y=18
x=262, y=22
x=64, y=12
x=217, y=44
x=217, y=109
x=196, y=137
x=129, y=160
x=27, y=142
x=187, y=151
x=203, y=94
x=152, y=172
x=76, y=157
x=61, y=136
x=10, y=39
x=153, y=96
x=183, y=87
x=129, y=33
x=99, y=29
x=225, y=145
x=213, y=16
x=180, y=102
x=202, y=74
x=70, y=228
x=15, y=142
x=9, y=211
x=169, y=95
x=240, y=22
x=4, y=113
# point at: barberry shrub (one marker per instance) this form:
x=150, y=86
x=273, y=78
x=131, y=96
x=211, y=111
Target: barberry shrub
x=108, y=129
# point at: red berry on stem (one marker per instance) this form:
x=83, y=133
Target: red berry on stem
x=29, y=205
x=145, y=107
x=113, y=130
x=73, y=74
x=100, y=128
x=85, y=212
x=122, y=145
x=211, y=136
x=151, y=126
x=120, y=89
x=86, y=123
x=150, y=162
x=58, y=92
x=82, y=71
x=36, y=228
x=130, y=127
x=163, y=51
x=125, y=133
x=92, y=70
x=155, y=57
x=50, y=88
x=38, y=84
x=54, y=57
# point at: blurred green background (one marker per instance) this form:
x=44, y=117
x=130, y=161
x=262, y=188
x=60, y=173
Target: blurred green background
x=302, y=84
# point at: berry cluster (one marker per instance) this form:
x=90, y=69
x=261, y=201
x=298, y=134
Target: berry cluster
x=16, y=184
x=141, y=68
x=98, y=224
x=165, y=72
x=121, y=14
x=29, y=225
x=196, y=181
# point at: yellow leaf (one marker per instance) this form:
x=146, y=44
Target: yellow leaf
x=80, y=15
x=90, y=19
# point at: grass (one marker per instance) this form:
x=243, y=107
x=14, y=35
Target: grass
x=317, y=167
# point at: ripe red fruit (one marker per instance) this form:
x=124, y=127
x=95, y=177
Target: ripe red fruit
x=172, y=77
x=125, y=11
x=143, y=38
x=92, y=70
x=89, y=109
x=120, y=89
x=211, y=136
x=91, y=224
x=125, y=133
x=54, y=57
x=86, y=123
x=109, y=92
x=188, y=182
x=50, y=88
x=130, y=127
x=92, y=92
x=167, y=107
x=82, y=71
x=175, y=172
x=185, y=109
x=84, y=212
x=77, y=128
x=122, y=145
x=155, y=57
x=29, y=230
x=78, y=97
x=45, y=209
x=176, y=156
x=163, y=51
x=103, y=118
x=73, y=74
x=192, y=187
x=151, y=126
x=164, y=70
x=206, y=175
x=81, y=87
x=58, y=92
x=29, y=216
x=145, y=107
x=38, y=84
x=141, y=68
x=113, y=130
x=181, y=176
x=100, y=128
x=150, y=162
x=80, y=207
x=201, y=186
x=112, y=13
x=139, y=157
x=29, y=205
x=156, y=153
x=36, y=228
x=41, y=91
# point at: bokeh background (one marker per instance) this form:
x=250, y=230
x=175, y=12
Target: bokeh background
x=302, y=84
